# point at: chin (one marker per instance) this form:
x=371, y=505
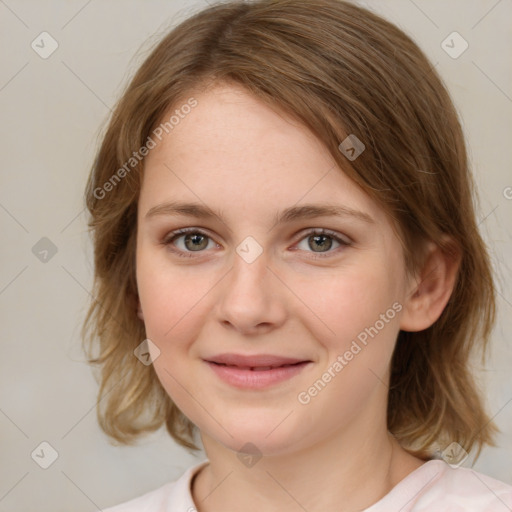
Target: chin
x=267, y=438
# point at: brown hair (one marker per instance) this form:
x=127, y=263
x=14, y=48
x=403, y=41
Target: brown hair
x=339, y=69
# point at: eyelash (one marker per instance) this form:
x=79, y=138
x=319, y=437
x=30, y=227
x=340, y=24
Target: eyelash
x=174, y=235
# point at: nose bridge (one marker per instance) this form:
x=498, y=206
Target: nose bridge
x=249, y=272
x=248, y=295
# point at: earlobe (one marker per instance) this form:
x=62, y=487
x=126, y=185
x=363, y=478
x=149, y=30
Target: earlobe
x=139, y=310
x=431, y=292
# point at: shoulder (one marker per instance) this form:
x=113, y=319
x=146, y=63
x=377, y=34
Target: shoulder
x=438, y=487
x=174, y=495
x=457, y=489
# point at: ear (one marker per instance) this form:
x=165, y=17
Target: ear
x=432, y=287
x=139, y=310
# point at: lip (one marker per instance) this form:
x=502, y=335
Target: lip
x=257, y=371
x=254, y=361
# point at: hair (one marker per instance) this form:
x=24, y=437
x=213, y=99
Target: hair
x=339, y=69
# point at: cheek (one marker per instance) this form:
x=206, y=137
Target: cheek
x=343, y=303
x=166, y=295
x=171, y=304
x=361, y=310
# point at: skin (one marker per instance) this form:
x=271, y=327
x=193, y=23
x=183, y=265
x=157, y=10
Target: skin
x=248, y=162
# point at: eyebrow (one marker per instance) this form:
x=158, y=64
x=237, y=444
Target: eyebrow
x=293, y=213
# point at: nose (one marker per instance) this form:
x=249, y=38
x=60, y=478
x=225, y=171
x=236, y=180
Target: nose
x=251, y=296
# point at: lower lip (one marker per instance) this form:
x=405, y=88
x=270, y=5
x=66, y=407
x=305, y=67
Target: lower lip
x=256, y=379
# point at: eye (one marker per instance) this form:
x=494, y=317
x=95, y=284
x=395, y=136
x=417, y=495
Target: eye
x=194, y=240
x=322, y=239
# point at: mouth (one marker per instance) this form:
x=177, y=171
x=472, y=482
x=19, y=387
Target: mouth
x=255, y=372
x=254, y=361
x=258, y=368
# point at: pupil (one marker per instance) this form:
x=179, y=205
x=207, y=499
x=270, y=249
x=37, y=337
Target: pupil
x=196, y=241
x=317, y=237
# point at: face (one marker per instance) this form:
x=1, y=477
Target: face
x=324, y=290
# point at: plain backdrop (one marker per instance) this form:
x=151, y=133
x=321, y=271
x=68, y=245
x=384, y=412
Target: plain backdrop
x=52, y=112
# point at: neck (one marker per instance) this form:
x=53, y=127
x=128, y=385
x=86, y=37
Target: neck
x=344, y=472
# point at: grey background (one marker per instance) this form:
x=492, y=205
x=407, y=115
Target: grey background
x=52, y=113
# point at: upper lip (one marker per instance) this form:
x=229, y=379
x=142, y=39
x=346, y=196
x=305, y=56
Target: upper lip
x=260, y=360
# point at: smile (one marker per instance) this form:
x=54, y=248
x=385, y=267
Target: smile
x=256, y=377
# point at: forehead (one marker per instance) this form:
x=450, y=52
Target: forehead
x=232, y=148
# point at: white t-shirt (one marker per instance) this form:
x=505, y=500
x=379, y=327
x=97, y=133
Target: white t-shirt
x=433, y=487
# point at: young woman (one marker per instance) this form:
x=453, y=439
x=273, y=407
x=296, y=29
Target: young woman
x=288, y=265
